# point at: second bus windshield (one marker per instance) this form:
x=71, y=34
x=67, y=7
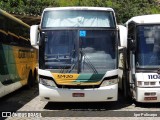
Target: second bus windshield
x=148, y=46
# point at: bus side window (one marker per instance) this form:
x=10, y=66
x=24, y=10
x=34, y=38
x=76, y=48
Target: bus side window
x=3, y=29
x=24, y=33
x=21, y=35
x=13, y=32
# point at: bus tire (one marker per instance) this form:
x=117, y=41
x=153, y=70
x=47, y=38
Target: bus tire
x=30, y=80
x=35, y=77
x=126, y=90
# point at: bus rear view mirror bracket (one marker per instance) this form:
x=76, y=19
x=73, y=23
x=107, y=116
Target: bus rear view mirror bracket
x=41, y=38
x=132, y=44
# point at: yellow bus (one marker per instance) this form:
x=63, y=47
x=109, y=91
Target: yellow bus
x=17, y=57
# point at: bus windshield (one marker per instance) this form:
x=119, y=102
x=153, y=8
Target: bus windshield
x=78, y=18
x=148, y=46
x=86, y=51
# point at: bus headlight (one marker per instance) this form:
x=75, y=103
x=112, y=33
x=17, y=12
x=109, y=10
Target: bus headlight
x=109, y=82
x=146, y=83
x=139, y=83
x=47, y=82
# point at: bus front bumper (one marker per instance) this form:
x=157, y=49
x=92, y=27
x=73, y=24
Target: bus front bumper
x=148, y=95
x=107, y=93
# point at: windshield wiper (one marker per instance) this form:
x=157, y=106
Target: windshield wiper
x=72, y=65
x=63, y=68
x=88, y=62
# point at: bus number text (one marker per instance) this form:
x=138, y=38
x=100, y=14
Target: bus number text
x=64, y=76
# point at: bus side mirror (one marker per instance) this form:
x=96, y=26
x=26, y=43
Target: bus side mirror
x=34, y=35
x=132, y=44
x=123, y=35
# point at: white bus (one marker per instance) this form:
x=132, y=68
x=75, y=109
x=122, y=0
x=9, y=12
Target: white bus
x=78, y=54
x=143, y=58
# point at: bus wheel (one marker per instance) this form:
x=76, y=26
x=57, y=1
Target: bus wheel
x=124, y=87
x=30, y=80
x=126, y=90
x=35, y=77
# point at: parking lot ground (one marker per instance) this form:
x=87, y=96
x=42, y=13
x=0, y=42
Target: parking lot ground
x=26, y=101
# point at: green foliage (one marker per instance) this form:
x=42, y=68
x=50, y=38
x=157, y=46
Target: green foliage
x=27, y=6
x=124, y=9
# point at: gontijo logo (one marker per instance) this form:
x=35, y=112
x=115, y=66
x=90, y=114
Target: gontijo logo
x=25, y=54
x=153, y=76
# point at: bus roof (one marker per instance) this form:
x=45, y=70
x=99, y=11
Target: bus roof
x=144, y=19
x=13, y=18
x=79, y=8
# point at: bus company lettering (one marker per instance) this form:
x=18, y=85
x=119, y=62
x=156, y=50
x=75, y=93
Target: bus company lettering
x=154, y=76
x=25, y=54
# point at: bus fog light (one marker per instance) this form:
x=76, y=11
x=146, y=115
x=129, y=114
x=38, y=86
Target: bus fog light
x=109, y=82
x=147, y=94
x=153, y=93
x=47, y=82
x=150, y=93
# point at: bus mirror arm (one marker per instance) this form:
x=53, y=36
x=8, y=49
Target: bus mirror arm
x=133, y=77
x=41, y=38
x=132, y=44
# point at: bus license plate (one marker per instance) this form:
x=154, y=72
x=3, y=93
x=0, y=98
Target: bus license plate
x=150, y=98
x=77, y=94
